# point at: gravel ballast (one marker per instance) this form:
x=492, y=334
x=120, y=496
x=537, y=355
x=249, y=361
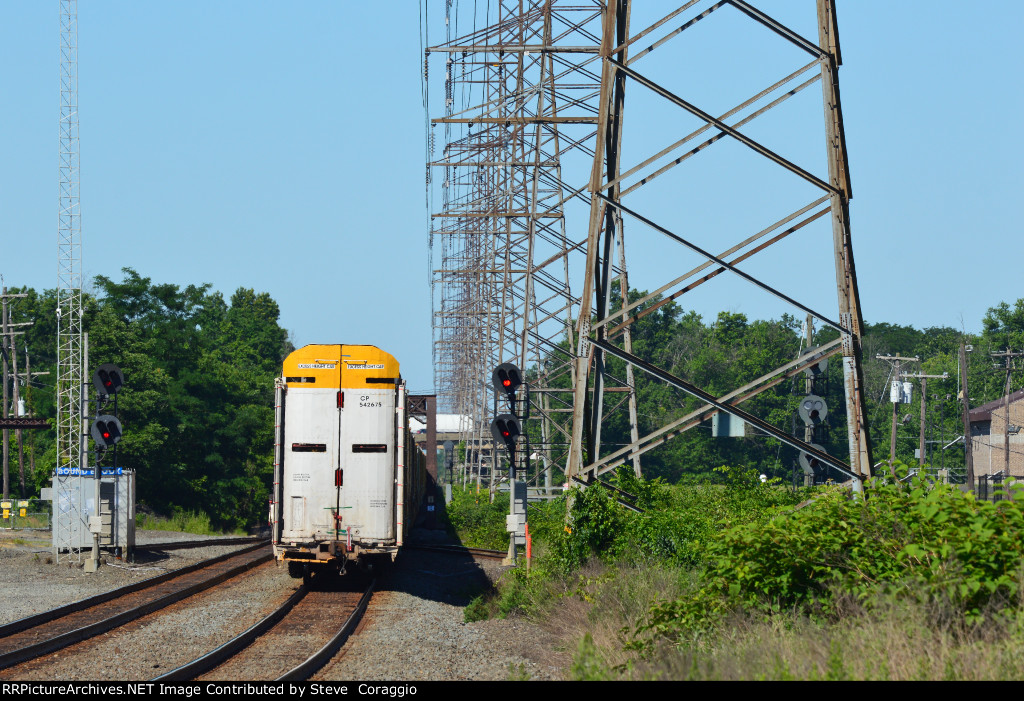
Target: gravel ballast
x=413, y=629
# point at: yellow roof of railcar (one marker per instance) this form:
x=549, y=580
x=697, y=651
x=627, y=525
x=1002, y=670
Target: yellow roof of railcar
x=340, y=367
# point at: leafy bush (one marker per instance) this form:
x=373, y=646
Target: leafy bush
x=182, y=521
x=677, y=523
x=928, y=542
x=933, y=538
x=477, y=522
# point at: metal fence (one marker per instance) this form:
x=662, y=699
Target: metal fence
x=995, y=487
x=26, y=518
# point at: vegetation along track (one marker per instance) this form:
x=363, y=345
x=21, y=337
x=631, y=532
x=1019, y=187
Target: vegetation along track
x=291, y=643
x=46, y=632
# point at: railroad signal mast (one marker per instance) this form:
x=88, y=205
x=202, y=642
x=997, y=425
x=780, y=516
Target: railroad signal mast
x=106, y=434
x=813, y=408
x=507, y=429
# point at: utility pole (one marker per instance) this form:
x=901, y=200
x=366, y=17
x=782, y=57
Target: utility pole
x=924, y=388
x=24, y=422
x=1008, y=357
x=896, y=361
x=17, y=395
x=6, y=378
x=809, y=389
x=7, y=351
x=966, y=414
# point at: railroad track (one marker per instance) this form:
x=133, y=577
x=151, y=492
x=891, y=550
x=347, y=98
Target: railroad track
x=462, y=550
x=291, y=643
x=53, y=630
x=208, y=542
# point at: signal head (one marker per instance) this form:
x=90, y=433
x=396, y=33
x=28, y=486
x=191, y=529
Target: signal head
x=813, y=409
x=810, y=464
x=108, y=379
x=506, y=429
x=106, y=431
x=506, y=379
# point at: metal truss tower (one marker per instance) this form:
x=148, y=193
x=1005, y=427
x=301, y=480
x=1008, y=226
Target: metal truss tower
x=544, y=167
x=70, y=356
x=520, y=88
x=623, y=188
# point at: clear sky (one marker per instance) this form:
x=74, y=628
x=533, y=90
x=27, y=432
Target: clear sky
x=280, y=146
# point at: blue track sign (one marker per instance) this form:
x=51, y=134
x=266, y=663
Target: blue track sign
x=79, y=472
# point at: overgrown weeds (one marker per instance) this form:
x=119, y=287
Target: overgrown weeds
x=913, y=581
x=475, y=521
x=182, y=521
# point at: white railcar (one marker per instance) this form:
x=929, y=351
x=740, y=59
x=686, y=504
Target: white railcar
x=347, y=476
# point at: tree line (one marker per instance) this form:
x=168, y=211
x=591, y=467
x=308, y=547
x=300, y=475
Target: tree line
x=197, y=405
x=727, y=352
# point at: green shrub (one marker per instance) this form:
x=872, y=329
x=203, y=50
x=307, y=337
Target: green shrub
x=928, y=542
x=477, y=522
x=933, y=539
x=676, y=525
x=182, y=521
x=477, y=610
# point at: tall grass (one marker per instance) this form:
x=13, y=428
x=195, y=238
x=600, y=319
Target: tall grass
x=897, y=639
x=183, y=521
x=916, y=581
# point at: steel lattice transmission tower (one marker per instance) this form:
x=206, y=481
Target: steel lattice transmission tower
x=69, y=278
x=545, y=168
x=518, y=111
x=641, y=62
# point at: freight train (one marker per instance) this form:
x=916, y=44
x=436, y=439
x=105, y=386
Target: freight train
x=347, y=476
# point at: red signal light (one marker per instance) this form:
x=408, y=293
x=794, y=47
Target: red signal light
x=506, y=382
x=106, y=434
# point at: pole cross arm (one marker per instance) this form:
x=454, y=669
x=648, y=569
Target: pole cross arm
x=24, y=423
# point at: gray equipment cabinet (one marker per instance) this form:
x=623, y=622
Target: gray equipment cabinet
x=73, y=499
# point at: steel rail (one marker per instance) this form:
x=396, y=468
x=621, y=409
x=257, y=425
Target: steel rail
x=323, y=655
x=183, y=544
x=61, y=611
x=461, y=550
x=63, y=640
x=218, y=656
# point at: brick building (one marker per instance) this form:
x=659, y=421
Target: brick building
x=988, y=432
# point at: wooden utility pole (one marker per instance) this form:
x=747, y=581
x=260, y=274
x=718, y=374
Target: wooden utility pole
x=14, y=406
x=21, y=441
x=6, y=377
x=896, y=361
x=924, y=388
x=809, y=389
x=966, y=412
x=1008, y=356
x=6, y=350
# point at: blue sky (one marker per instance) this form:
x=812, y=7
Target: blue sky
x=280, y=146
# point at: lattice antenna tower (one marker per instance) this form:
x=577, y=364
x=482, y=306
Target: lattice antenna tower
x=69, y=279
